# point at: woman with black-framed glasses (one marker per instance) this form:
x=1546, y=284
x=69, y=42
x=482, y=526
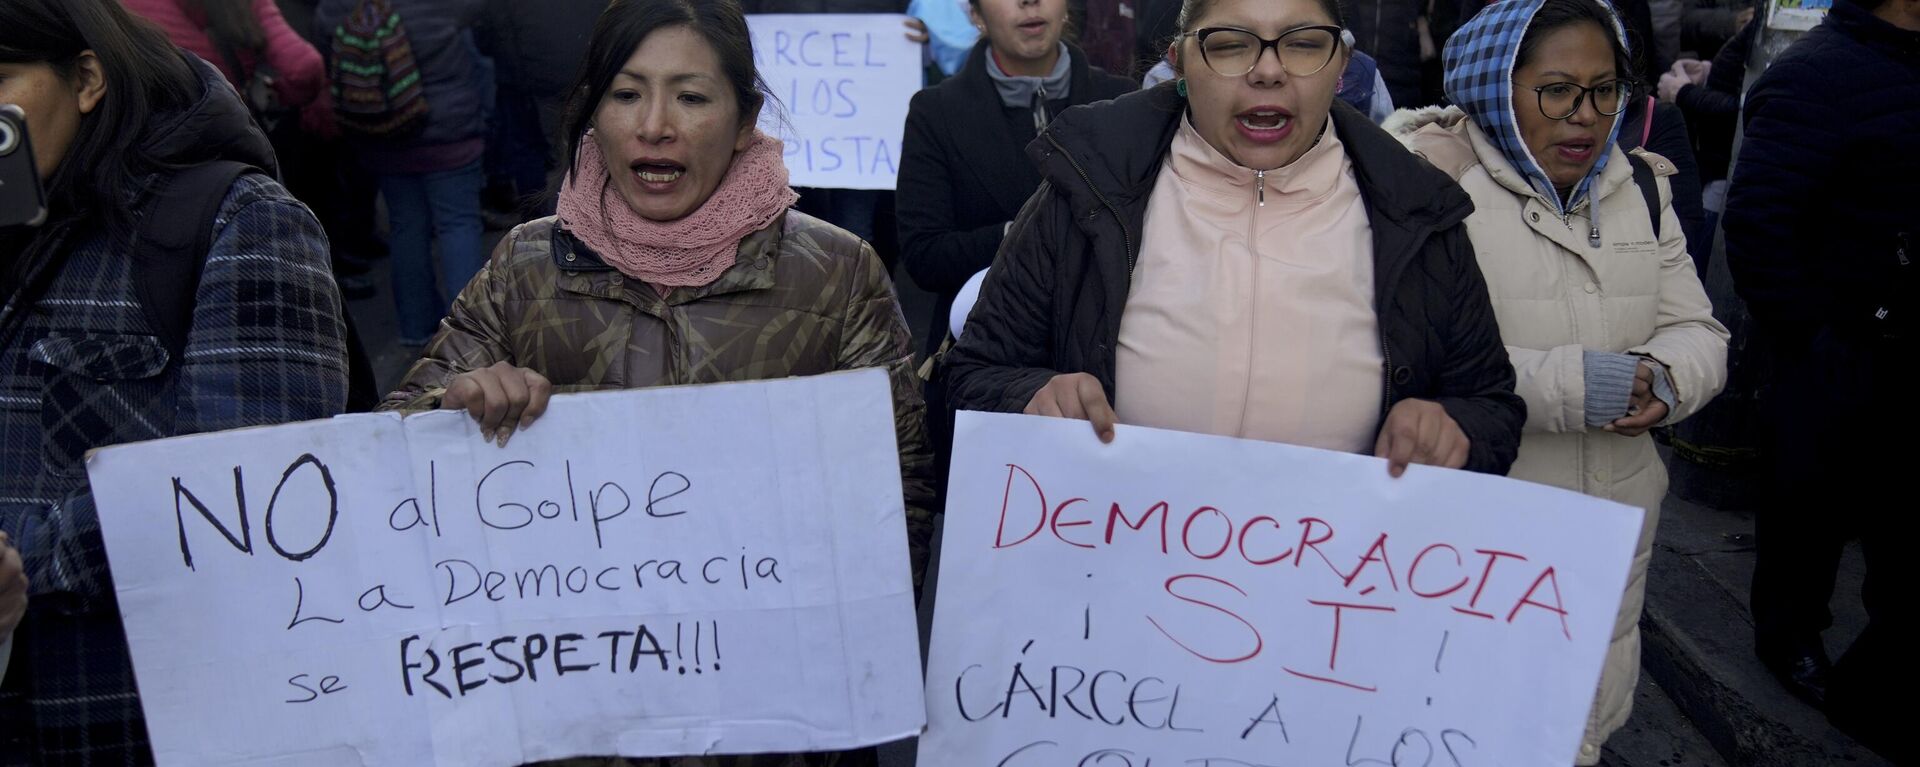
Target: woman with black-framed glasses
x=1233, y=253
x=1603, y=315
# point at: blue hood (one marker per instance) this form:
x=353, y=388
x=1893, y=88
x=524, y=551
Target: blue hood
x=1479, y=78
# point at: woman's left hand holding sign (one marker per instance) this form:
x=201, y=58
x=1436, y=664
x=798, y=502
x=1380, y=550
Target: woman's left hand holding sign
x=500, y=397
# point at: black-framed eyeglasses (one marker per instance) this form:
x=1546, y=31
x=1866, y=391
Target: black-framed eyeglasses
x=1233, y=52
x=1559, y=101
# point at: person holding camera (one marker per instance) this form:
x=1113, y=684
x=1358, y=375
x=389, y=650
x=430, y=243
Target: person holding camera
x=173, y=288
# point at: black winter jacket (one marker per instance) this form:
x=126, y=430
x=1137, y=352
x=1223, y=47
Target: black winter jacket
x=1823, y=215
x=964, y=174
x=1713, y=110
x=538, y=46
x=1388, y=30
x=1669, y=139
x=1053, y=301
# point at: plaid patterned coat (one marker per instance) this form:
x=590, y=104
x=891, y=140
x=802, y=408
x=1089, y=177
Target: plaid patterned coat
x=804, y=298
x=84, y=371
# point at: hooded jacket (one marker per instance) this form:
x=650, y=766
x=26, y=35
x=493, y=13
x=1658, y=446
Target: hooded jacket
x=1567, y=280
x=1480, y=59
x=1053, y=300
x=83, y=369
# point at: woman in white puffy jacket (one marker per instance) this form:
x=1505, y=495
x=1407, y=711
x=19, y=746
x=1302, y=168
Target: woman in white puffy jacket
x=1603, y=315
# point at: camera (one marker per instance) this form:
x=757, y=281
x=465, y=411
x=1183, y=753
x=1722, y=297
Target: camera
x=22, y=200
x=9, y=136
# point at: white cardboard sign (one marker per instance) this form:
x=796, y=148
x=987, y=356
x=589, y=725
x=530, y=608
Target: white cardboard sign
x=1179, y=599
x=715, y=569
x=842, y=83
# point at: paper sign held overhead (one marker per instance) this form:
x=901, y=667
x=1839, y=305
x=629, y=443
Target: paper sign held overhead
x=841, y=84
x=1182, y=599
x=716, y=569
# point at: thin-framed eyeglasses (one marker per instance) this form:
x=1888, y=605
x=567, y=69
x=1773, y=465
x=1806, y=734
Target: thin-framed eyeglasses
x=1233, y=52
x=1559, y=101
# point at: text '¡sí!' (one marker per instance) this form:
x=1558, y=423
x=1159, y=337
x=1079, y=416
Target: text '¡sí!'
x=1189, y=599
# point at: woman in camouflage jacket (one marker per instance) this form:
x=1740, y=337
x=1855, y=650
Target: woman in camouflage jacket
x=674, y=260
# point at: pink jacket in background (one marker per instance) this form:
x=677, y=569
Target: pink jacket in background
x=302, y=79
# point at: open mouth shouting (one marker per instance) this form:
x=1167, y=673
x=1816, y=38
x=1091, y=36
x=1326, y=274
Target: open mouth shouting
x=1265, y=124
x=658, y=175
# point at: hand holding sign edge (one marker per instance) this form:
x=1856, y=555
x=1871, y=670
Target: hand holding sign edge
x=501, y=398
x=1078, y=396
x=1421, y=431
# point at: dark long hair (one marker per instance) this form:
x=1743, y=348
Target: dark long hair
x=232, y=21
x=1560, y=14
x=626, y=24
x=145, y=75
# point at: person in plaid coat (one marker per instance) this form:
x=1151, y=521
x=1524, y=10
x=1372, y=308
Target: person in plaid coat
x=109, y=102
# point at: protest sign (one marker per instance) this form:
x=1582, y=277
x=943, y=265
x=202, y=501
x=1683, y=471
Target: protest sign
x=716, y=569
x=1181, y=599
x=841, y=84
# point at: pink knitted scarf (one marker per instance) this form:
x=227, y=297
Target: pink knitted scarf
x=692, y=251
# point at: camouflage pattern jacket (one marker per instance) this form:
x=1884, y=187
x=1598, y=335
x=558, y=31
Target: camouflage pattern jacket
x=804, y=298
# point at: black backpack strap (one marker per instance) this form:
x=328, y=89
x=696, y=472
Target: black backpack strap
x=174, y=238
x=1649, y=187
x=171, y=243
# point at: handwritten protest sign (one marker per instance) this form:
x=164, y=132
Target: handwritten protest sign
x=1178, y=599
x=714, y=569
x=842, y=83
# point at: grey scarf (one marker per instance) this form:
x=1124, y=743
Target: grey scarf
x=1033, y=92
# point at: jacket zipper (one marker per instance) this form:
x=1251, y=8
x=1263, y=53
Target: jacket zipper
x=1260, y=187
x=1125, y=236
x=1593, y=232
